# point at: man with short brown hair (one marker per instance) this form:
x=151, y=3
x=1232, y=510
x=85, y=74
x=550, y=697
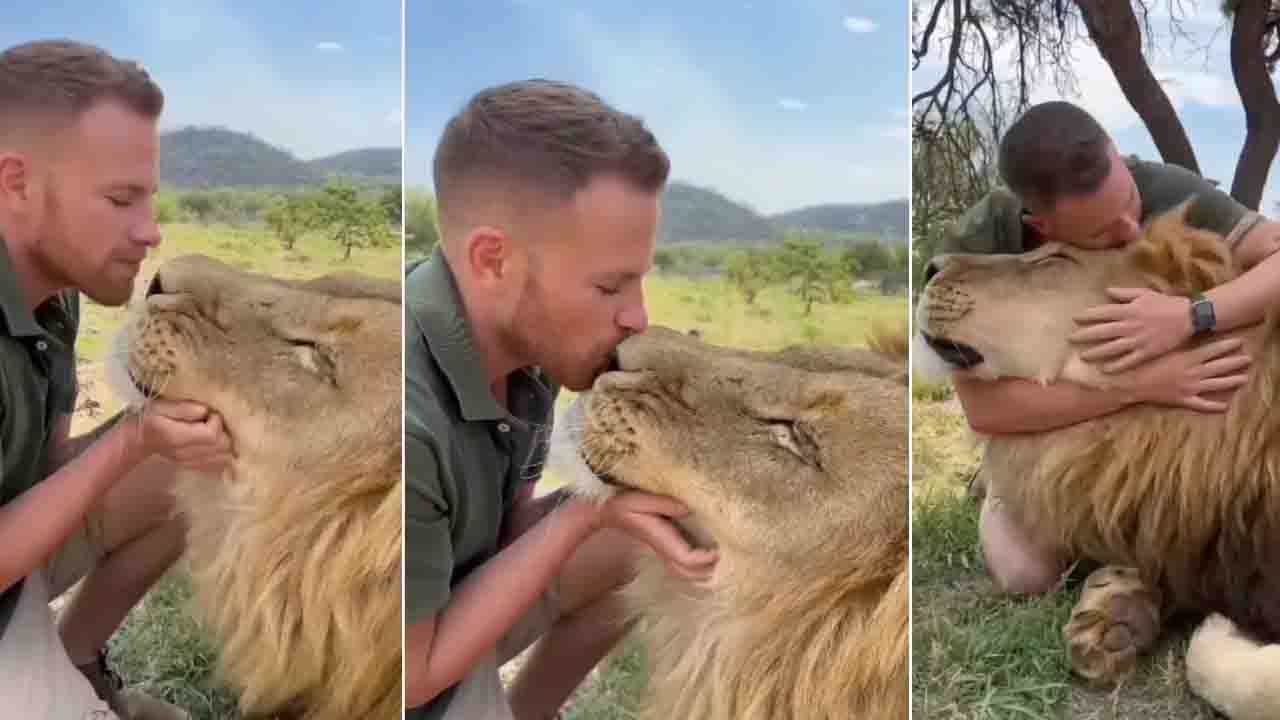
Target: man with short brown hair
x=548, y=203
x=78, y=154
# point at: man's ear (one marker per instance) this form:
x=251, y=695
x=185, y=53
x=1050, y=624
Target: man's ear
x=487, y=254
x=15, y=180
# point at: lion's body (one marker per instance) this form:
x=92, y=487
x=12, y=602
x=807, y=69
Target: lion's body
x=295, y=552
x=806, y=614
x=1191, y=500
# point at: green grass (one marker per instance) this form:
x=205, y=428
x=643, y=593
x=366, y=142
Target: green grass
x=979, y=654
x=160, y=647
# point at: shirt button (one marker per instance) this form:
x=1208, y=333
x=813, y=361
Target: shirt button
x=42, y=345
x=503, y=427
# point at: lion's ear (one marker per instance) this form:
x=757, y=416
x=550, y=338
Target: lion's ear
x=1176, y=258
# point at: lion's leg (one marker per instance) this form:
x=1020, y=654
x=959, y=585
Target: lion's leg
x=1117, y=618
x=1015, y=561
x=592, y=621
x=1233, y=673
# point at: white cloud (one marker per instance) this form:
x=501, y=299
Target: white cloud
x=792, y=104
x=394, y=118
x=856, y=24
x=329, y=46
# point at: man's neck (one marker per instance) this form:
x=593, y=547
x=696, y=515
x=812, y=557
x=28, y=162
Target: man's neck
x=36, y=286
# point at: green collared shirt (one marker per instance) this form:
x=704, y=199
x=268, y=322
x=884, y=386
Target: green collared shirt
x=37, y=386
x=465, y=455
x=994, y=224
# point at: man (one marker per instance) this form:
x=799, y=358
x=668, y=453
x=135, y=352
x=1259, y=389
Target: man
x=548, y=204
x=78, y=152
x=1067, y=183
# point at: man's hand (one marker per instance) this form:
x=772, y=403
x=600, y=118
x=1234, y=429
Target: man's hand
x=1142, y=325
x=186, y=433
x=1200, y=379
x=647, y=518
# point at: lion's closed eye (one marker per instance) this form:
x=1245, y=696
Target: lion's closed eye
x=314, y=358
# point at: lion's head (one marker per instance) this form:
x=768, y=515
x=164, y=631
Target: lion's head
x=294, y=553
x=798, y=477
x=1010, y=315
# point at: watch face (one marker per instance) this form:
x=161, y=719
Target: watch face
x=1202, y=315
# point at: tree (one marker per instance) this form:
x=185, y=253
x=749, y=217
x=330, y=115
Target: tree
x=421, y=224
x=350, y=220
x=815, y=275
x=750, y=271
x=289, y=216
x=197, y=203
x=1040, y=33
x=392, y=201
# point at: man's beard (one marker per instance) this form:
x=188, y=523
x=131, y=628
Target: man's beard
x=55, y=251
x=536, y=338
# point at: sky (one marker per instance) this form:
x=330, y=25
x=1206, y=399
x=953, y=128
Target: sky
x=777, y=105
x=312, y=78
x=1196, y=76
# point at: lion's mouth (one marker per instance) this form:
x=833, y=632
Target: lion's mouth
x=955, y=353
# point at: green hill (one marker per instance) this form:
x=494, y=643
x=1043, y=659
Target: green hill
x=692, y=214
x=206, y=157
x=889, y=220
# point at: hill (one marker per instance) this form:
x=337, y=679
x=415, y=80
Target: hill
x=889, y=220
x=695, y=214
x=206, y=157
x=372, y=163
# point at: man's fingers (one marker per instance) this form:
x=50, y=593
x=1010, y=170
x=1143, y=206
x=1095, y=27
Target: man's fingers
x=1129, y=361
x=1123, y=294
x=183, y=410
x=1218, y=348
x=659, y=534
x=1225, y=366
x=1218, y=384
x=1202, y=405
x=1109, y=350
x=650, y=504
x=1100, y=314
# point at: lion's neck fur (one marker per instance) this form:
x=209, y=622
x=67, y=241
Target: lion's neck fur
x=292, y=571
x=794, y=646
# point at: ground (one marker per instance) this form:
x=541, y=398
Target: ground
x=977, y=654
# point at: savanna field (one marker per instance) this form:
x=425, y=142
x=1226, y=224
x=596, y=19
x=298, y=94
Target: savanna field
x=162, y=649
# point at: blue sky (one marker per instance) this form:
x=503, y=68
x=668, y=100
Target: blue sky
x=776, y=105
x=1198, y=82
x=313, y=78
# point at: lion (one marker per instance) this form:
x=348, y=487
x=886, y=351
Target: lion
x=793, y=465
x=295, y=552
x=1183, y=507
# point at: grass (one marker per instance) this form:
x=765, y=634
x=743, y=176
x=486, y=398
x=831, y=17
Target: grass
x=979, y=654
x=160, y=648
x=713, y=307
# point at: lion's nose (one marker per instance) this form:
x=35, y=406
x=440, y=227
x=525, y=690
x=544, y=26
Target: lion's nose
x=933, y=268
x=155, y=288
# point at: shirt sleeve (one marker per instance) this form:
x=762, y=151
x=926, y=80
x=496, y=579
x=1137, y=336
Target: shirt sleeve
x=1167, y=186
x=428, y=560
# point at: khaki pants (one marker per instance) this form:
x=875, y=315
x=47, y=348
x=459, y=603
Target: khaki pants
x=481, y=695
x=37, y=679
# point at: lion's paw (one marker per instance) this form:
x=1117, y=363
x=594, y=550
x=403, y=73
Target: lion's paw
x=1116, y=619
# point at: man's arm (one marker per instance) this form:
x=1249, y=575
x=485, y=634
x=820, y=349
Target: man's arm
x=1194, y=379
x=34, y=524
x=1246, y=299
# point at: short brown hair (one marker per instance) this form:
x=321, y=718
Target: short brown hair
x=1054, y=150
x=544, y=136
x=63, y=78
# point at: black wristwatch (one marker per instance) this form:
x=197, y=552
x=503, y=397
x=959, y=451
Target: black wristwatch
x=1202, y=318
